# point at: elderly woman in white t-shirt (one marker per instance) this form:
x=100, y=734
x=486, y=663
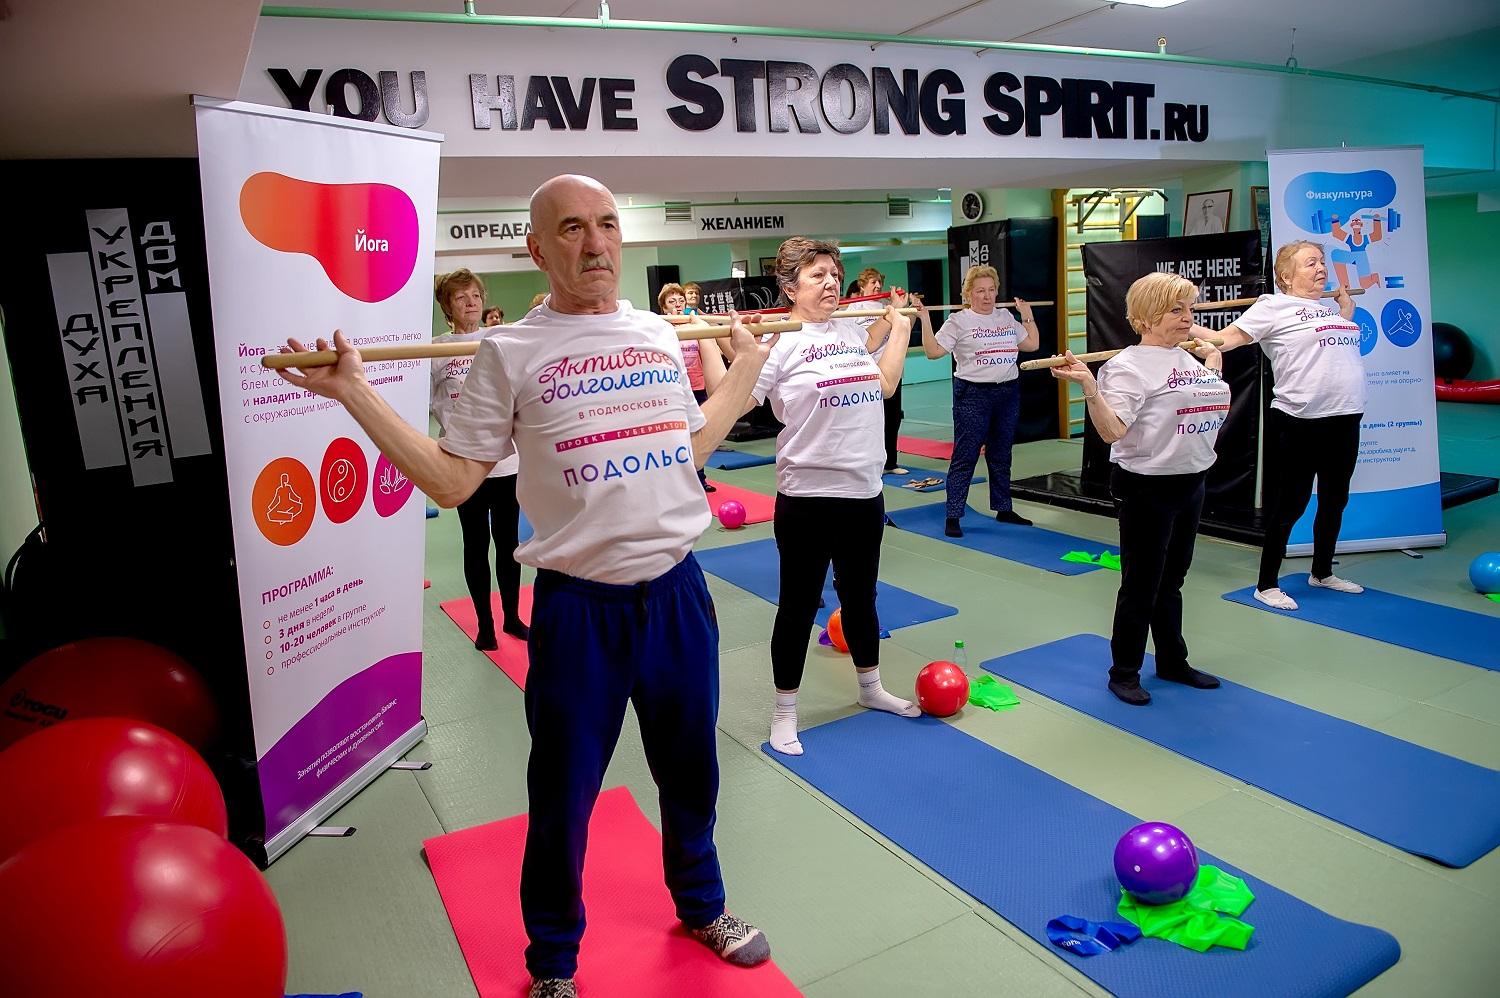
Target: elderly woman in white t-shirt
x=828, y=392
x=1160, y=410
x=492, y=512
x=1314, y=419
x=985, y=342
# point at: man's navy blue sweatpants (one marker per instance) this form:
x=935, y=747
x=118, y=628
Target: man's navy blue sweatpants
x=594, y=647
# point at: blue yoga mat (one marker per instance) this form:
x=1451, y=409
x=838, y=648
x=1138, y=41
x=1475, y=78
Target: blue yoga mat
x=729, y=460
x=899, y=481
x=1030, y=847
x=755, y=567
x=1422, y=801
x=1034, y=546
x=1444, y=631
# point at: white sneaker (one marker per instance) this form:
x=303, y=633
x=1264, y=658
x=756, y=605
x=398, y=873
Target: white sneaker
x=1275, y=599
x=1336, y=584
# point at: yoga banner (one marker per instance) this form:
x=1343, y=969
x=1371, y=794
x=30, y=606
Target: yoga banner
x=314, y=223
x=1224, y=266
x=1367, y=209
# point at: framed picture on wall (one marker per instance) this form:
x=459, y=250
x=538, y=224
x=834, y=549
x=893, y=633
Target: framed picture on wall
x=739, y=268
x=1207, y=212
x=1260, y=213
x=768, y=266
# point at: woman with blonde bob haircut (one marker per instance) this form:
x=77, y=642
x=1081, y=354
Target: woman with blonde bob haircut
x=1160, y=411
x=1319, y=384
x=827, y=390
x=985, y=342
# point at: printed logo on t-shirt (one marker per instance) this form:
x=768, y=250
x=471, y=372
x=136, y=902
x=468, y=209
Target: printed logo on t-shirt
x=996, y=357
x=1192, y=376
x=846, y=393
x=632, y=367
x=1200, y=419
x=818, y=352
x=626, y=370
x=1340, y=334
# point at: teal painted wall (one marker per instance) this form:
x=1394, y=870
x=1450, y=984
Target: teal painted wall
x=1463, y=249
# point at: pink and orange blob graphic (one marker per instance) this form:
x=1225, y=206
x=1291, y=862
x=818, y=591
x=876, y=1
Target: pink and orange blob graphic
x=363, y=235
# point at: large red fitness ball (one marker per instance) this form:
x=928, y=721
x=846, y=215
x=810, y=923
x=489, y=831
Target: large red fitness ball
x=108, y=677
x=133, y=908
x=103, y=766
x=942, y=689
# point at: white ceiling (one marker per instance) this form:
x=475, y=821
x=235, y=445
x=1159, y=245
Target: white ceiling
x=1328, y=33
x=93, y=78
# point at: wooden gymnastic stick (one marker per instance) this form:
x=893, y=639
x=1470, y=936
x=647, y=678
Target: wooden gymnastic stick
x=467, y=348
x=1243, y=302
x=1047, y=362
x=847, y=313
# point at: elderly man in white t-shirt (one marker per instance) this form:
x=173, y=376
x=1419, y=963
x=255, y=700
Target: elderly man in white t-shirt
x=594, y=396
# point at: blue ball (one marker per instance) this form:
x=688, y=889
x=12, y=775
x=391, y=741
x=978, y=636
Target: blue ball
x=1484, y=572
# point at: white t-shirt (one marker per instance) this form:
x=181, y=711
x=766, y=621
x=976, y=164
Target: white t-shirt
x=825, y=387
x=1314, y=355
x=1172, y=404
x=865, y=322
x=599, y=408
x=448, y=374
x=984, y=347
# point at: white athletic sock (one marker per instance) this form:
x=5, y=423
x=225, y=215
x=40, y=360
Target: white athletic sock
x=874, y=696
x=784, y=725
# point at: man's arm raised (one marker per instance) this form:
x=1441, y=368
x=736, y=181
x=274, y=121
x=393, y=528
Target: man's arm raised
x=445, y=478
x=731, y=399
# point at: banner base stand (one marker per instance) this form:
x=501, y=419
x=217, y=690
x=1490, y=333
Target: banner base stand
x=342, y=794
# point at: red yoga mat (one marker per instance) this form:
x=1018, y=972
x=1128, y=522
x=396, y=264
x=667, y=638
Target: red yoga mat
x=758, y=507
x=633, y=947
x=922, y=447
x=511, y=656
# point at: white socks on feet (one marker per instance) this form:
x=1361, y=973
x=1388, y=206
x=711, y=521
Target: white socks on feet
x=784, y=725
x=874, y=696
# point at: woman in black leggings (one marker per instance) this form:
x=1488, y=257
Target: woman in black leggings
x=1314, y=420
x=825, y=387
x=492, y=511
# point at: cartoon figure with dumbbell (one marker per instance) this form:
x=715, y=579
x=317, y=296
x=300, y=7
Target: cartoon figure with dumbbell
x=1354, y=252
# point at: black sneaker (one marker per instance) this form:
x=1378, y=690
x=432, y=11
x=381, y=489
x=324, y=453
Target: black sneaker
x=1131, y=693
x=1011, y=516
x=951, y=528
x=1189, y=676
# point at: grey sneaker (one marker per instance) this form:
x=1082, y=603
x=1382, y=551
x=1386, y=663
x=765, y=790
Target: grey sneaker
x=552, y=987
x=735, y=940
x=1336, y=584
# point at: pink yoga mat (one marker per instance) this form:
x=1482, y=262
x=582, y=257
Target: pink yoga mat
x=633, y=946
x=942, y=450
x=758, y=507
x=511, y=656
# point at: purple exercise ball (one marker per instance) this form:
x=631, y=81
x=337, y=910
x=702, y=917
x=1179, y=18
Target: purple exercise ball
x=732, y=514
x=1156, y=862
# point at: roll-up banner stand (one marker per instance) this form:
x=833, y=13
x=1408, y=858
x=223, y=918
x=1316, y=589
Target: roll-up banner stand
x=315, y=223
x=1367, y=209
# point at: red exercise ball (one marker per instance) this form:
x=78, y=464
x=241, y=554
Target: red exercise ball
x=100, y=766
x=108, y=677
x=135, y=908
x=942, y=688
x=836, y=631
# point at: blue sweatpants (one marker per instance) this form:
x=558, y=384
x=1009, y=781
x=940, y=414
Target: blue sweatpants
x=594, y=647
x=984, y=415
